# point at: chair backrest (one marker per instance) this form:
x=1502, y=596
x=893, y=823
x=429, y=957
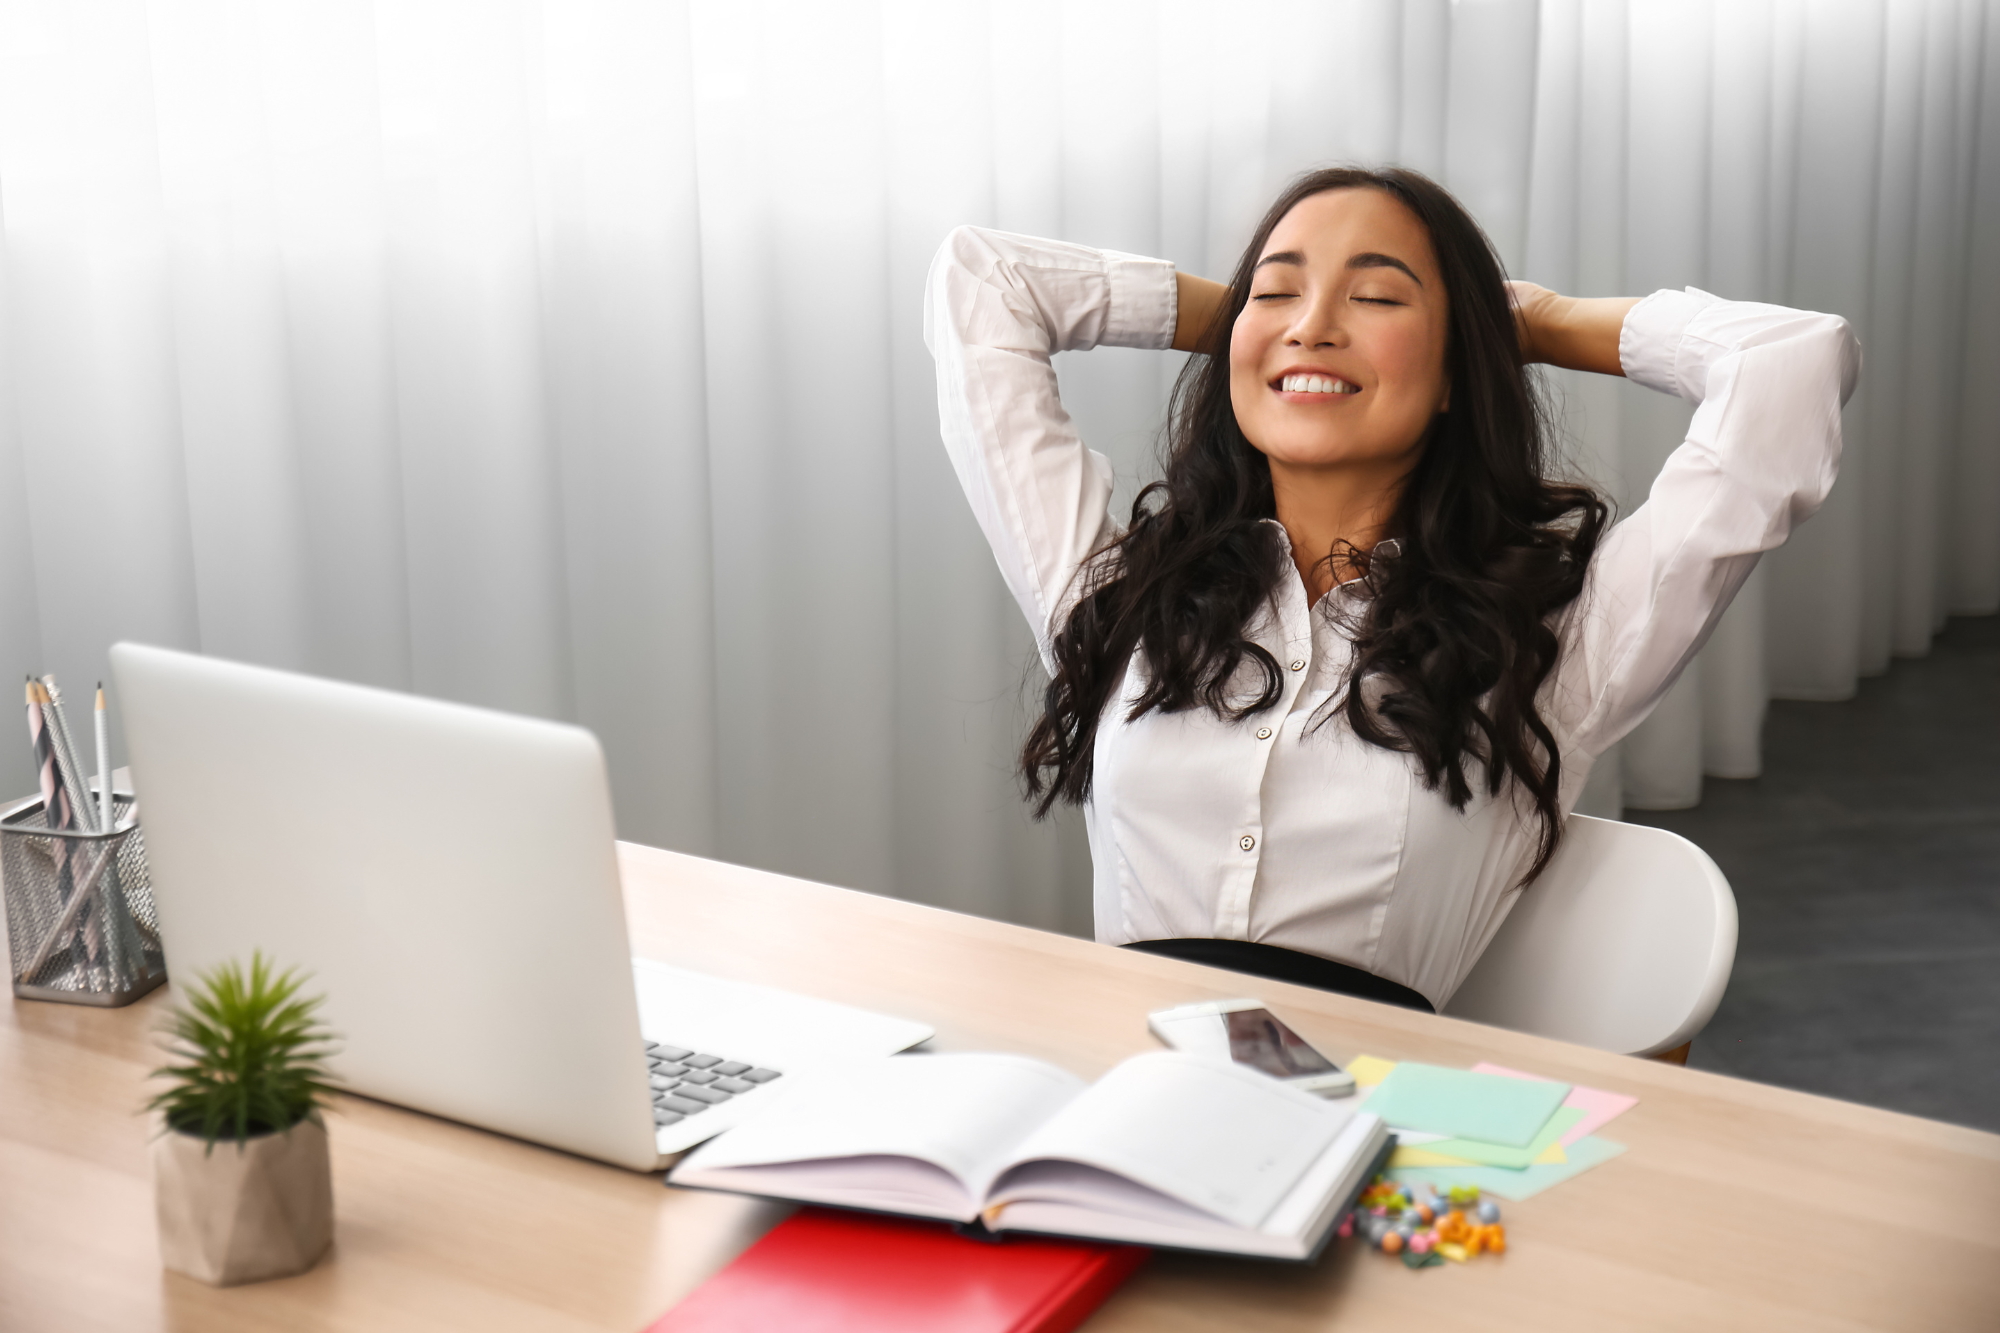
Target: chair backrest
x=1625, y=943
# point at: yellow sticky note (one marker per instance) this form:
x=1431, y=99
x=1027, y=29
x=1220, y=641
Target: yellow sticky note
x=1418, y=1156
x=1368, y=1070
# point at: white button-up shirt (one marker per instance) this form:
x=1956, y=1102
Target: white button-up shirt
x=1308, y=837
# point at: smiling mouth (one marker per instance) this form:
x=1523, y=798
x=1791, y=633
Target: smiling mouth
x=1315, y=384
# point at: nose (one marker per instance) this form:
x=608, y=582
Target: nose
x=1319, y=322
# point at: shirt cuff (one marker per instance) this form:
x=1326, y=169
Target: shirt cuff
x=1145, y=300
x=1652, y=345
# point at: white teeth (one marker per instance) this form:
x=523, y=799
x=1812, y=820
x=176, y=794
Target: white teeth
x=1316, y=384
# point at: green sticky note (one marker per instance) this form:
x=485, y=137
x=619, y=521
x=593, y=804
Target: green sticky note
x=1494, y=1154
x=1524, y=1184
x=1487, y=1107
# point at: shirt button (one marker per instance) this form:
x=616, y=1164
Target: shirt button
x=1246, y=842
x=1263, y=733
x=1299, y=664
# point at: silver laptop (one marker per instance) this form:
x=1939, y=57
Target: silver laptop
x=447, y=876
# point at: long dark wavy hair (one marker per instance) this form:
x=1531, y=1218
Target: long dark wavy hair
x=1454, y=639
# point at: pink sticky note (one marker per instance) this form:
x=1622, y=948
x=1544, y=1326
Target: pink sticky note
x=1598, y=1106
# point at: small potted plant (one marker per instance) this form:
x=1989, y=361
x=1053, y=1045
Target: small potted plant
x=240, y=1172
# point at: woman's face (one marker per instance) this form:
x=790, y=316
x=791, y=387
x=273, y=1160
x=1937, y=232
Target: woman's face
x=1338, y=358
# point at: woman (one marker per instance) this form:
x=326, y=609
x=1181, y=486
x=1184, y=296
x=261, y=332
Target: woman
x=1328, y=696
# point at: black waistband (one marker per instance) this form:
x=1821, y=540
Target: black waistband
x=1301, y=969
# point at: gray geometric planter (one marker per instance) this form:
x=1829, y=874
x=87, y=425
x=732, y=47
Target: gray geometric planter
x=247, y=1211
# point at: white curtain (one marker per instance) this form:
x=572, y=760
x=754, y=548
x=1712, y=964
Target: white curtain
x=566, y=358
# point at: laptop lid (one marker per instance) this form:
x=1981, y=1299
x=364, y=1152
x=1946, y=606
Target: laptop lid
x=446, y=874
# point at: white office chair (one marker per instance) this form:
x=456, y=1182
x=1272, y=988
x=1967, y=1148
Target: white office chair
x=1625, y=943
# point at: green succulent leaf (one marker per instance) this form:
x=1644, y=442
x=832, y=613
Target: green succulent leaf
x=249, y=1055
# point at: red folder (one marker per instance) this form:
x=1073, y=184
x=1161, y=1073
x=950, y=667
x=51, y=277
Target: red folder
x=830, y=1272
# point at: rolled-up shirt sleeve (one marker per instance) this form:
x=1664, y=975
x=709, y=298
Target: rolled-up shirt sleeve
x=997, y=308
x=1760, y=457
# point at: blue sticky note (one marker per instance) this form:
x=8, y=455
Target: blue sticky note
x=1526, y=1183
x=1464, y=1105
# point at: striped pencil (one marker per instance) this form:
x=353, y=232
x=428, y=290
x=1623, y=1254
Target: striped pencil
x=55, y=800
x=65, y=805
x=55, y=806
x=83, y=814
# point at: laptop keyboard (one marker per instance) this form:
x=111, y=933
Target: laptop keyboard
x=688, y=1082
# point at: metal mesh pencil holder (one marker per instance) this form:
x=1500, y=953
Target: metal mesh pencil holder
x=80, y=921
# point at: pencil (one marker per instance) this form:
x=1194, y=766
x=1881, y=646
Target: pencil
x=55, y=813
x=55, y=800
x=82, y=814
x=104, y=805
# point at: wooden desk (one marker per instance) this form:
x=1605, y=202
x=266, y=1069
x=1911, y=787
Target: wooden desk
x=1738, y=1206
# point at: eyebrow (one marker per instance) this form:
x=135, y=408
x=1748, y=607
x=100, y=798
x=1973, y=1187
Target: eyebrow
x=1367, y=259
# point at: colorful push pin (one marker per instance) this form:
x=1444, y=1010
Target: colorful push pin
x=1489, y=1211
x=1393, y=1243
x=1346, y=1227
x=1422, y=1242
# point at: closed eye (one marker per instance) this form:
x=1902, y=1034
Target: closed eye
x=1378, y=300
x=1274, y=296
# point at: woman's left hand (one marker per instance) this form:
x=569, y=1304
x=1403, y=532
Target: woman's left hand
x=1531, y=308
x=1577, y=333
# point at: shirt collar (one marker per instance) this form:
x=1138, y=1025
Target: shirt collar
x=1386, y=549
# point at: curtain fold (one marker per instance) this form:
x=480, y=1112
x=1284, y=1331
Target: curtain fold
x=567, y=358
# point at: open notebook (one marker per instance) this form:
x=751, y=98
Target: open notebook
x=1167, y=1149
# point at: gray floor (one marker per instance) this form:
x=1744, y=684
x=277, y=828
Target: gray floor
x=1866, y=864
